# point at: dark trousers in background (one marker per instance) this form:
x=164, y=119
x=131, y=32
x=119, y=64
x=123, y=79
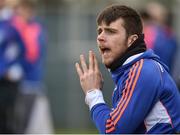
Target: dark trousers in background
x=8, y=95
x=23, y=110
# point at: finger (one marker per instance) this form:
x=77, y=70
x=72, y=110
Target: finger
x=78, y=69
x=96, y=67
x=91, y=61
x=102, y=78
x=83, y=63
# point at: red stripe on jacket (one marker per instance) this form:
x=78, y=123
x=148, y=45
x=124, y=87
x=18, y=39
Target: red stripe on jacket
x=122, y=105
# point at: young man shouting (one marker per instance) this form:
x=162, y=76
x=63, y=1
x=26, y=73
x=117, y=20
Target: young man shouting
x=145, y=98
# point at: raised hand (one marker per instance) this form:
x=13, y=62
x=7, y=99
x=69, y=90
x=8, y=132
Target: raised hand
x=90, y=76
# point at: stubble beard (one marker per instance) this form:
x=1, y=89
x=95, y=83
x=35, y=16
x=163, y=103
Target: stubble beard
x=109, y=66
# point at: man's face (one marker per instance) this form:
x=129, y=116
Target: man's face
x=112, y=41
x=26, y=12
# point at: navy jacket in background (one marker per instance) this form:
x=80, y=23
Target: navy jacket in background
x=11, y=46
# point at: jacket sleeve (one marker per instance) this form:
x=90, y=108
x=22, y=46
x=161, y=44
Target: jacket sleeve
x=138, y=97
x=6, y=39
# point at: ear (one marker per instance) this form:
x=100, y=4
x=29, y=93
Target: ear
x=131, y=39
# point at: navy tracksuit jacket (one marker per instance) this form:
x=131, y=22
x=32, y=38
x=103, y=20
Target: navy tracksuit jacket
x=145, y=99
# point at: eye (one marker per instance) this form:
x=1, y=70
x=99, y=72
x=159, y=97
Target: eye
x=110, y=31
x=99, y=31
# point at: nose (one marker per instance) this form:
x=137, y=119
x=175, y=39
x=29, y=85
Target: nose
x=101, y=37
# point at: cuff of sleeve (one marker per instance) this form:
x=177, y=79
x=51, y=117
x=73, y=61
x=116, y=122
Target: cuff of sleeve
x=94, y=97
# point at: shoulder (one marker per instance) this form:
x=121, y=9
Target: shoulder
x=151, y=70
x=146, y=69
x=7, y=30
x=147, y=77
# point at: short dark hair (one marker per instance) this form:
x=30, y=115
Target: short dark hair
x=132, y=20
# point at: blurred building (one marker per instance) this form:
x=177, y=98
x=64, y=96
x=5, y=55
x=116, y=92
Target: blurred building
x=72, y=31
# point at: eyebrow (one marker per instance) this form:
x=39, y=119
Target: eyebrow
x=107, y=29
x=111, y=29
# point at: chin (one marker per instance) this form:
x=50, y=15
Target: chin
x=108, y=65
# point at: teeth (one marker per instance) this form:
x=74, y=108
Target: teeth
x=105, y=51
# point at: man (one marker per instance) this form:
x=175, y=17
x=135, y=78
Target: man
x=167, y=49
x=145, y=98
x=30, y=117
x=159, y=35
x=11, y=54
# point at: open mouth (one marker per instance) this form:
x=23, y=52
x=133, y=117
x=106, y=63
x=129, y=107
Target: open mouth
x=105, y=50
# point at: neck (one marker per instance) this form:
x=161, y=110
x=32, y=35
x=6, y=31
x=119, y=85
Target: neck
x=137, y=47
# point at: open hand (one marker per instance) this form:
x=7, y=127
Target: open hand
x=90, y=77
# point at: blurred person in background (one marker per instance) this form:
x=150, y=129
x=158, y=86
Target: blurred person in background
x=11, y=71
x=145, y=98
x=32, y=108
x=159, y=35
